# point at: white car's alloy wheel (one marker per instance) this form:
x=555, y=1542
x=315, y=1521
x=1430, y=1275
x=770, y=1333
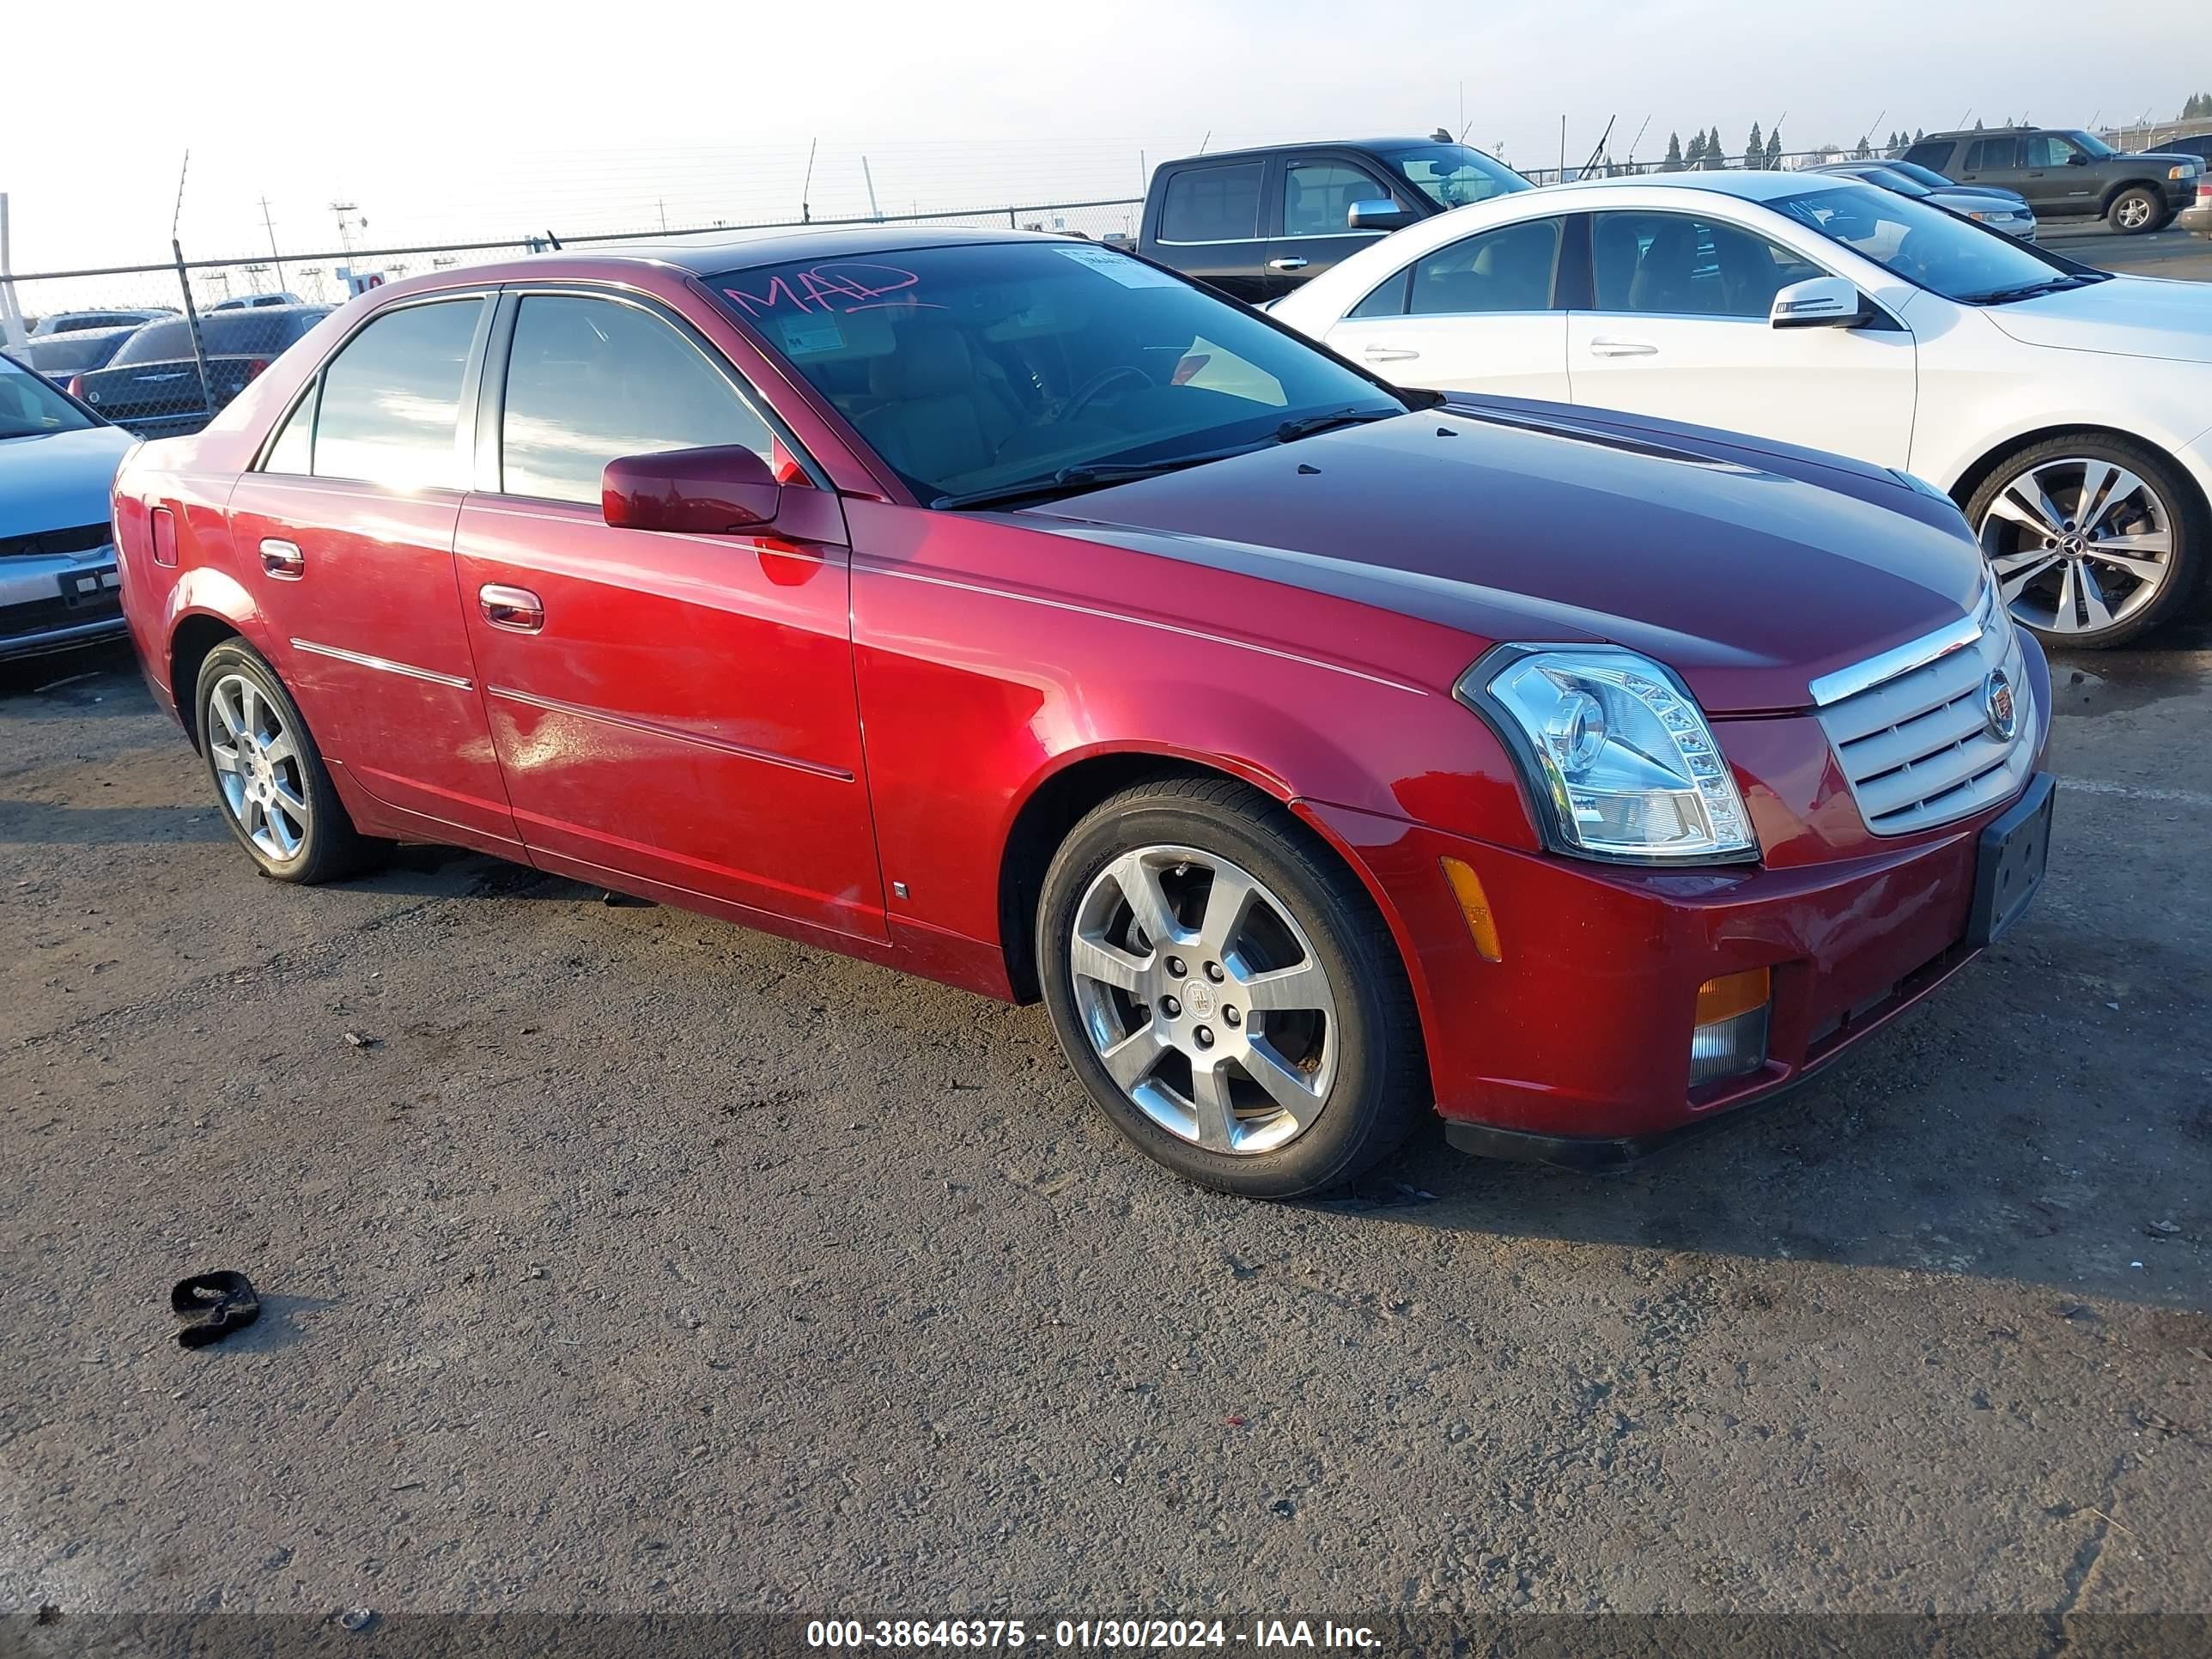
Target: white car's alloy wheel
x=2080, y=546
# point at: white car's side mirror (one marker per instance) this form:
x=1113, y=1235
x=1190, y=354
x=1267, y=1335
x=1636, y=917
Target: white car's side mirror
x=1823, y=302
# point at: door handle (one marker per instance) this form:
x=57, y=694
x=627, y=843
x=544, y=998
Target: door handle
x=1287, y=265
x=517, y=609
x=1383, y=354
x=282, y=560
x=1606, y=346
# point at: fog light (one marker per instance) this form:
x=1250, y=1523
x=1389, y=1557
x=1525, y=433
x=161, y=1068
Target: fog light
x=1730, y=1035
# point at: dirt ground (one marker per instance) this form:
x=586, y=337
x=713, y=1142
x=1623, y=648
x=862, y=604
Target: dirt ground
x=636, y=1261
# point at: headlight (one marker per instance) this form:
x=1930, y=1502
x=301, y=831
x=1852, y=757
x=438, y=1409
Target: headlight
x=2181, y=173
x=1619, y=750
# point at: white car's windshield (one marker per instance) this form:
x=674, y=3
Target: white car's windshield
x=1929, y=248
x=28, y=405
x=1029, y=367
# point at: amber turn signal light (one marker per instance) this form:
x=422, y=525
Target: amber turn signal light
x=1731, y=995
x=1474, y=905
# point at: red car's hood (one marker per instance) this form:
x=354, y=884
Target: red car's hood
x=1750, y=570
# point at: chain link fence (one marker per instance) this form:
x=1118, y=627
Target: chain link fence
x=161, y=349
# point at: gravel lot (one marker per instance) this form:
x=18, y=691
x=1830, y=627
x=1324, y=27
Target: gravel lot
x=634, y=1261
x=639, y=1262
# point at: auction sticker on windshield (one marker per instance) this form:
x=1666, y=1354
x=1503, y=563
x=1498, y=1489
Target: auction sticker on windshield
x=1130, y=273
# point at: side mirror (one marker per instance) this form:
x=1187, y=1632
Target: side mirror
x=703, y=492
x=1376, y=215
x=1823, y=302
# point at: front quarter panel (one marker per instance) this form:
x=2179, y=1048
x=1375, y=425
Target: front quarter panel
x=991, y=657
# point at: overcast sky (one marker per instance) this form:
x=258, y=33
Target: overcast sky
x=472, y=120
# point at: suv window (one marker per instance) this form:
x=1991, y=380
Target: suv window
x=2044, y=149
x=392, y=399
x=1985, y=152
x=1213, y=204
x=1318, y=195
x=1680, y=265
x=1930, y=153
x=591, y=380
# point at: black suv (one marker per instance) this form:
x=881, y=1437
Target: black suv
x=2062, y=171
x=1256, y=223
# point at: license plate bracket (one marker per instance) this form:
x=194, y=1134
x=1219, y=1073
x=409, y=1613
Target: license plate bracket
x=2010, y=861
x=89, y=586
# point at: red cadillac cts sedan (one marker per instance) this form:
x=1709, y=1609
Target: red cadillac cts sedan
x=1009, y=609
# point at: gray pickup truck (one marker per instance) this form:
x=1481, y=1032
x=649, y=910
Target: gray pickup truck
x=2065, y=173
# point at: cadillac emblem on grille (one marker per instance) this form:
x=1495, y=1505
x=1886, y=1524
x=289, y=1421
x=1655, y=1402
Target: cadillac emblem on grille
x=1997, y=701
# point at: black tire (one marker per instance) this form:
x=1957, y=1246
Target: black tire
x=331, y=848
x=2185, y=513
x=2140, y=203
x=1381, y=1079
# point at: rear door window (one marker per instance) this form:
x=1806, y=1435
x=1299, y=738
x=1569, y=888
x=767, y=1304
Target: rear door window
x=1985, y=154
x=1213, y=204
x=1508, y=269
x=392, y=399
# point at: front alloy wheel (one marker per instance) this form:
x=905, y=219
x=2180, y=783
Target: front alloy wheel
x=2087, y=540
x=1219, y=1028
x=1227, y=991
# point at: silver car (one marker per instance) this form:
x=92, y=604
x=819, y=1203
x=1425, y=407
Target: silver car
x=58, y=461
x=2000, y=210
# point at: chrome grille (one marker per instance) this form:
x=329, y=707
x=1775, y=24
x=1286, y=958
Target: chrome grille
x=1910, y=727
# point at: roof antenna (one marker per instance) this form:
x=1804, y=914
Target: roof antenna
x=556, y=240
x=806, y=212
x=1204, y=142
x=1594, y=154
x=1635, y=141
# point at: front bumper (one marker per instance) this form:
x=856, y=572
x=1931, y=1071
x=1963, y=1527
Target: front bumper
x=1573, y=1045
x=53, y=604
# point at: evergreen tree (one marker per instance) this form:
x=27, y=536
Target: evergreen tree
x=1864, y=152
x=1674, y=152
x=1774, y=149
x=1754, y=149
x=1919, y=133
x=1716, y=157
x=1694, y=157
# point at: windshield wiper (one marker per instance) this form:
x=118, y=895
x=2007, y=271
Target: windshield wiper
x=1069, y=479
x=2029, y=290
x=1306, y=425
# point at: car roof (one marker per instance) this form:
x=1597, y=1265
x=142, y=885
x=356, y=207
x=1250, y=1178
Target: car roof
x=1756, y=186
x=1427, y=141
x=712, y=253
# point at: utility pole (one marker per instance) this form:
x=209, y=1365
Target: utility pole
x=874, y=212
x=268, y=225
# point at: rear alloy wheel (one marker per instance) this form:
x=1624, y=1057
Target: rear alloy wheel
x=1227, y=992
x=276, y=792
x=2093, y=541
x=2135, y=209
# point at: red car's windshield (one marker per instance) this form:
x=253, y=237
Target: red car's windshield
x=970, y=369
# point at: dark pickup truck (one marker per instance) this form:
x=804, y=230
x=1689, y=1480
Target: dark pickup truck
x=2063, y=172
x=1256, y=223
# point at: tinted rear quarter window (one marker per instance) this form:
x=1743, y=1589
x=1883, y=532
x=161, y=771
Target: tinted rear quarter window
x=156, y=342
x=1213, y=204
x=392, y=399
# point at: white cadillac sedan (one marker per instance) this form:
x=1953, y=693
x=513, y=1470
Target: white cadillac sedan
x=2068, y=410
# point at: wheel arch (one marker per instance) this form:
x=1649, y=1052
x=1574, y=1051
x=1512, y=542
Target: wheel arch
x=1978, y=472
x=193, y=637
x=1059, y=799
x=2114, y=192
